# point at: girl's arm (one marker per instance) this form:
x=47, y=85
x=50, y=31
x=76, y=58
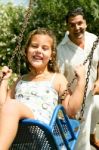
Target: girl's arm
x=4, y=75
x=3, y=91
x=73, y=101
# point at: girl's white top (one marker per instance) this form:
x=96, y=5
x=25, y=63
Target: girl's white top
x=40, y=97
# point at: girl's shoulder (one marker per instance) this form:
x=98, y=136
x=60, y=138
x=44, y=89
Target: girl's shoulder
x=60, y=83
x=61, y=78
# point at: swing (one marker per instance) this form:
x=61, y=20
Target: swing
x=61, y=133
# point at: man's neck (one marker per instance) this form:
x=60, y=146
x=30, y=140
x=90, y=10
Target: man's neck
x=81, y=44
x=78, y=42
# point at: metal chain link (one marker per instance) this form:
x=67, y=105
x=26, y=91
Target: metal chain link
x=89, y=57
x=20, y=37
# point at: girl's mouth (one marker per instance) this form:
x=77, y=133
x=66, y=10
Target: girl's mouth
x=36, y=57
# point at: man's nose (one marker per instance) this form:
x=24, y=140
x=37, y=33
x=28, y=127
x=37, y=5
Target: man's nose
x=77, y=26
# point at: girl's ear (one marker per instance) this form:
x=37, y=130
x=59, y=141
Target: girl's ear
x=50, y=58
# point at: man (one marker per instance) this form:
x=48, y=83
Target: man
x=73, y=50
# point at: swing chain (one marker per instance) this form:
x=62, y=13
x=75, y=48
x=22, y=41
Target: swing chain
x=89, y=57
x=20, y=37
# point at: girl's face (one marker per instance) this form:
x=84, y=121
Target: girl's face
x=39, y=51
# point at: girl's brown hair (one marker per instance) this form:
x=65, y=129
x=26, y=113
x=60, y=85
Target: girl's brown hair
x=52, y=64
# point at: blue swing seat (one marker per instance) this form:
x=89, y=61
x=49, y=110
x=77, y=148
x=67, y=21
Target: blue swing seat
x=60, y=134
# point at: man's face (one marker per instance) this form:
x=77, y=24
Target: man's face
x=76, y=27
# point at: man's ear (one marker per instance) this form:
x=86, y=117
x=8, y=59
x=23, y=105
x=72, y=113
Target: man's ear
x=85, y=23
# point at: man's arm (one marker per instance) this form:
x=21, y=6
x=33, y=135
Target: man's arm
x=96, y=84
x=98, y=71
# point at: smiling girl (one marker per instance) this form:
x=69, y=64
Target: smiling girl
x=35, y=95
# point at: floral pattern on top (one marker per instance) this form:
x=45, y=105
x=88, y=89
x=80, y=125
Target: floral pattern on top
x=40, y=97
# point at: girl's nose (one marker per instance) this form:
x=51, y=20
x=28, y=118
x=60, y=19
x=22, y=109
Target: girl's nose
x=39, y=50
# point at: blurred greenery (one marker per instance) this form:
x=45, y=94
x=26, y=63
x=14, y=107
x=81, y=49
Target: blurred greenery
x=44, y=13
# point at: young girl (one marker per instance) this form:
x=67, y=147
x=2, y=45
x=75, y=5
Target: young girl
x=35, y=95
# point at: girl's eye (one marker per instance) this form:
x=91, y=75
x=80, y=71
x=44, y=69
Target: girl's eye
x=45, y=48
x=34, y=45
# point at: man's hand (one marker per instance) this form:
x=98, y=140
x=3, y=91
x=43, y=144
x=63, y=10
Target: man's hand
x=96, y=87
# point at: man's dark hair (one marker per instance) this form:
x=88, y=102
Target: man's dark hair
x=75, y=12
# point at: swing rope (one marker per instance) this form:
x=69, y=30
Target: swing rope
x=89, y=57
x=20, y=37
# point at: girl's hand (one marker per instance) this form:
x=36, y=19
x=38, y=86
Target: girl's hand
x=80, y=72
x=5, y=73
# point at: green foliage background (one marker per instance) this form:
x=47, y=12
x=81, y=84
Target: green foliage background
x=50, y=14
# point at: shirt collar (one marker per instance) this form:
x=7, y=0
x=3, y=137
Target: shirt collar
x=66, y=38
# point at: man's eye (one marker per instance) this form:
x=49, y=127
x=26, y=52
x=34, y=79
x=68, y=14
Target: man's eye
x=80, y=23
x=71, y=25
